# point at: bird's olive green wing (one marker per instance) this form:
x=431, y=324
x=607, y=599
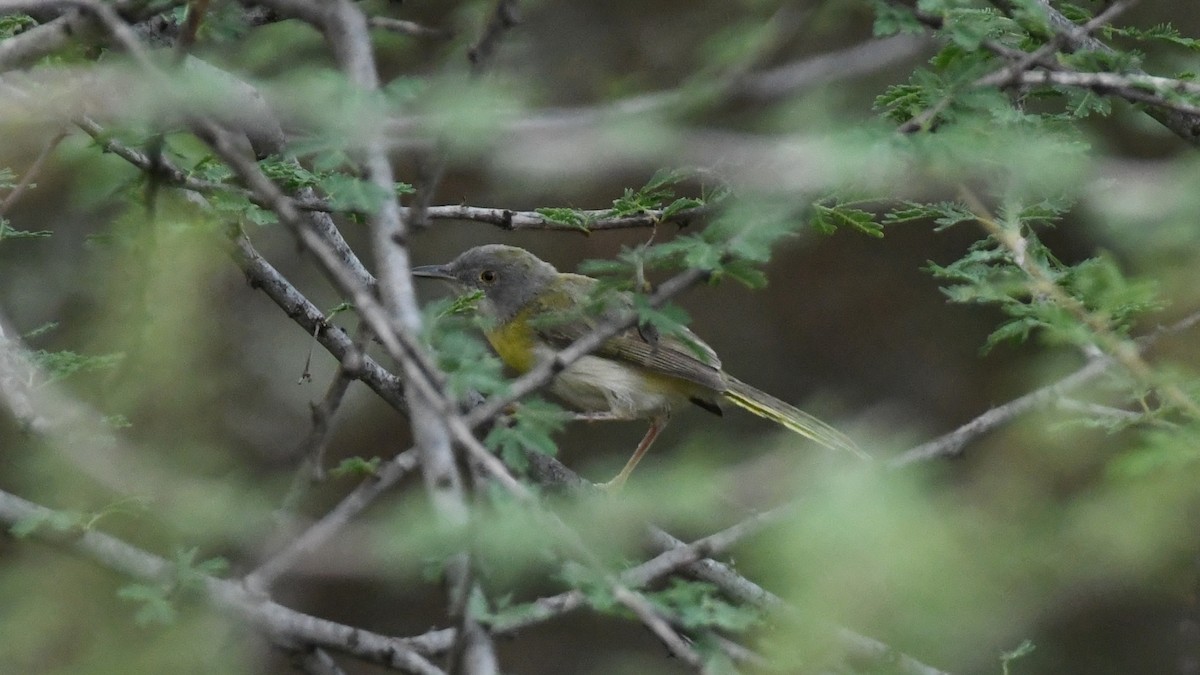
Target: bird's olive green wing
x=565, y=319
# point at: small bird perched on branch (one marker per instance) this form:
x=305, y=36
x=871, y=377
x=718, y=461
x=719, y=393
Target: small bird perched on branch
x=532, y=310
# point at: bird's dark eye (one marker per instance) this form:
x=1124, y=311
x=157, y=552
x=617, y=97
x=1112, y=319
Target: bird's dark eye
x=487, y=276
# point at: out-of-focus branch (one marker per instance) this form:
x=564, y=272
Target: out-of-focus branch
x=18, y=379
x=863, y=652
x=692, y=559
x=281, y=624
x=768, y=86
x=27, y=47
x=409, y=28
x=346, y=30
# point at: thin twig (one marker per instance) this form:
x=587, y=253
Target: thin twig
x=196, y=11
x=321, y=531
x=503, y=17
x=263, y=276
x=312, y=449
x=659, y=626
x=952, y=444
x=409, y=28
x=30, y=174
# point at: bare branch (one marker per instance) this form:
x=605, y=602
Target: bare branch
x=952, y=444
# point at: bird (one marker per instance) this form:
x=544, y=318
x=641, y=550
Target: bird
x=530, y=310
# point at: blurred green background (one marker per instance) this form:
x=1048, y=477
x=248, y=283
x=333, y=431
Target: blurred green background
x=1042, y=531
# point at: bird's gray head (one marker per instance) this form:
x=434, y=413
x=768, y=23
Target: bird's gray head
x=509, y=277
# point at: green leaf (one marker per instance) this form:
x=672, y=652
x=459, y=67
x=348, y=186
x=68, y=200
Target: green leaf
x=41, y=330
x=829, y=219
x=467, y=303
x=50, y=523
x=191, y=575
x=969, y=27
x=658, y=191
x=698, y=605
x=681, y=204
x=1024, y=649
x=288, y=173
x=745, y=273
x=592, y=584
x=902, y=102
x=890, y=20
x=1102, y=287
x=154, y=607
x=1085, y=103
x=348, y=193
x=7, y=232
x=356, y=466
x=12, y=24
x=117, y=421
x=241, y=208
x=564, y=216
x=63, y=364
x=530, y=427
x=1160, y=452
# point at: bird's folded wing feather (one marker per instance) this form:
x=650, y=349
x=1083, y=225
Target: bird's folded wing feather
x=683, y=355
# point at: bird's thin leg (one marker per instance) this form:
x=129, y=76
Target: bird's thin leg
x=656, y=426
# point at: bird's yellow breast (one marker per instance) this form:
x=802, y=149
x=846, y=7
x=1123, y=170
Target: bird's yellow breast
x=514, y=342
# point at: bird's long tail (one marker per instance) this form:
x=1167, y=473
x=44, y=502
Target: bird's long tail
x=765, y=405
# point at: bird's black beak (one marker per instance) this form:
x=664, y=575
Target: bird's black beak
x=434, y=272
